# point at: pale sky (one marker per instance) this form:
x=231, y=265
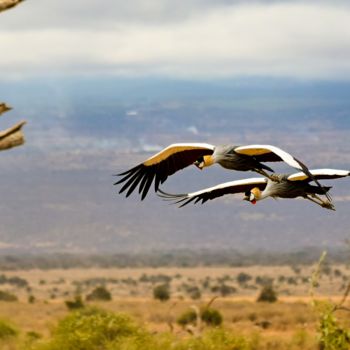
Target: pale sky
x=186, y=38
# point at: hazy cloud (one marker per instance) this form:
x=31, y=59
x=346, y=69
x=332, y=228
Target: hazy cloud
x=189, y=39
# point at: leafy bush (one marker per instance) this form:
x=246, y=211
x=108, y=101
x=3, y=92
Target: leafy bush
x=193, y=291
x=7, y=296
x=223, y=289
x=92, y=329
x=7, y=331
x=263, y=280
x=243, y=278
x=75, y=304
x=211, y=317
x=332, y=335
x=217, y=339
x=162, y=292
x=15, y=281
x=99, y=294
x=31, y=335
x=188, y=317
x=267, y=294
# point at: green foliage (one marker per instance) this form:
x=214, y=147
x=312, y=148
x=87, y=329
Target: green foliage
x=193, y=291
x=15, y=281
x=31, y=335
x=267, y=294
x=75, y=304
x=7, y=296
x=211, y=317
x=243, y=278
x=99, y=294
x=187, y=317
x=218, y=339
x=93, y=329
x=162, y=292
x=332, y=335
x=6, y=330
x=263, y=280
x=223, y=289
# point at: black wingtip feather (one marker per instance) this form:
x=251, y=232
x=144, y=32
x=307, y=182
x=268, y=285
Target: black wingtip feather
x=147, y=186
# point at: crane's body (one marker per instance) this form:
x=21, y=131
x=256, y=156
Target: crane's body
x=257, y=189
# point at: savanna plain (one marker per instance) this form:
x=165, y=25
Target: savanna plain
x=252, y=307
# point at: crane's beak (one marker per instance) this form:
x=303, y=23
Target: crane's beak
x=247, y=198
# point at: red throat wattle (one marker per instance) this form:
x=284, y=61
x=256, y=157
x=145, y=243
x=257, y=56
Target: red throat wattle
x=253, y=201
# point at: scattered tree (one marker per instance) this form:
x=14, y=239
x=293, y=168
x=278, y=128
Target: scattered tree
x=100, y=293
x=267, y=294
x=211, y=317
x=243, y=277
x=162, y=292
x=7, y=330
x=75, y=304
x=7, y=296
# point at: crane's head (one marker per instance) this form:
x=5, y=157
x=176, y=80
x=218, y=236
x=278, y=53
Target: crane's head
x=253, y=195
x=204, y=161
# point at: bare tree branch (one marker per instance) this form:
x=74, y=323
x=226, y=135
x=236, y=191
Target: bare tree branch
x=12, y=137
x=4, y=108
x=7, y=4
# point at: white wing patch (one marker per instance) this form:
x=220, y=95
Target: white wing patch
x=319, y=172
x=252, y=181
x=175, y=148
x=256, y=150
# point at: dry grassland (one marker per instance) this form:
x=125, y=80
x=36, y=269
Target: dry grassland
x=131, y=289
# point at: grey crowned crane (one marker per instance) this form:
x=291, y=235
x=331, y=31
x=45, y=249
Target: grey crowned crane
x=257, y=189
x=178, y=156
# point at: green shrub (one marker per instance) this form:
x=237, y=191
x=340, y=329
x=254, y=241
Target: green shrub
x=243, y=277
x=99, y=294
x=217, y=339
x=223, y=289
x=332, y=335
x=7, y=296
x=267, y=294
x=211, y=317
x=188, y=317
x=194, y=292
x=75, y=304
x=7, y=331
x=162, y=292
x=92, y=329
x=31, y=335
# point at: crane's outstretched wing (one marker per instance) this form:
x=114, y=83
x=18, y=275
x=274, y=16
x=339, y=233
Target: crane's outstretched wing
x=319, y=174
x=268, y=153
x=161, y=165
x=239, y=186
